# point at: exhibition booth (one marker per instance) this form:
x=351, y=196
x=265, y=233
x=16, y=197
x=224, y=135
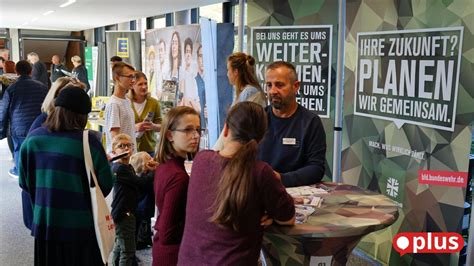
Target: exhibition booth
x=392, y=82
x=406, y=107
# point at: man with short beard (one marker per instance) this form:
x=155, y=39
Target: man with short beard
x=295, y=143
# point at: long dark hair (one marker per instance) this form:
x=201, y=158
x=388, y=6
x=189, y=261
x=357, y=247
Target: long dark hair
x=171, y=50
x=248, y=123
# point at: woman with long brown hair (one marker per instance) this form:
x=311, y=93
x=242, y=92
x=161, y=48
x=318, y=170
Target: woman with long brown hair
x=229, y=193
x=180, y=134
x=241, y=74
x=175, y=56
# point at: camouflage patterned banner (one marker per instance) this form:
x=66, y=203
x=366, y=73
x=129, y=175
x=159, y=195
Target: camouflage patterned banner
x=408, y=106
x=392, y=152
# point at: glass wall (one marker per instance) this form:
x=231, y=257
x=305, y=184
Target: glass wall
x=213, y=12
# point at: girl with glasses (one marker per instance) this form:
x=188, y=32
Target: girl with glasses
x=232, y=196
x=180, y=134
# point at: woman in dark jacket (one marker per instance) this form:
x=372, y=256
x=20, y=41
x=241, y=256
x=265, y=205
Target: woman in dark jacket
x=80, y=71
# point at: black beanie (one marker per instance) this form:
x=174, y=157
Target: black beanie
x=74, y=99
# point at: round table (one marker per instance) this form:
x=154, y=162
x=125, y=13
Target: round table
x=346, y=215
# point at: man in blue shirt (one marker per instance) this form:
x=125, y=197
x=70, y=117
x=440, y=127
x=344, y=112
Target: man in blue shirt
x=295, y=143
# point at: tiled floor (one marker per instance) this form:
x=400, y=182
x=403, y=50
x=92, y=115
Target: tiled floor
x=16, y=244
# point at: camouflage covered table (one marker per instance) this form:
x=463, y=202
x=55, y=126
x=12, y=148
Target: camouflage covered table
x=347, y=214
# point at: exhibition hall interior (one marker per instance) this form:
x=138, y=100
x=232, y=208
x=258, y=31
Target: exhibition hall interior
x=236, y=132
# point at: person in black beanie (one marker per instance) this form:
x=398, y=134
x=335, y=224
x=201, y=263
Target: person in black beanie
x=74, y=99
x=52, y=171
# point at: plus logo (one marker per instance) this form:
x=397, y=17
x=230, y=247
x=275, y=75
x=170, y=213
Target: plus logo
x=392, y=187
x=427, y=242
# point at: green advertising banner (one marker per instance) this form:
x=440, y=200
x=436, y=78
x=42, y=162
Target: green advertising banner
x=91, y=55
x=409, y=76
x=89, y=63
x=308, y=48
x=408, y=106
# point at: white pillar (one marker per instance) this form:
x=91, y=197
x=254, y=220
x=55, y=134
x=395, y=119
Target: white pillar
x=241, y=25
x=336, y=163
x=15, y=51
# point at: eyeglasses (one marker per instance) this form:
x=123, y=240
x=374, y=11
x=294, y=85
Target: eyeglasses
x=190, y=131
x=125, y=145
x=131, y=76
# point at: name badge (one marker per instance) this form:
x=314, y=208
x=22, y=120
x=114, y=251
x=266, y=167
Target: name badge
x=289, y=141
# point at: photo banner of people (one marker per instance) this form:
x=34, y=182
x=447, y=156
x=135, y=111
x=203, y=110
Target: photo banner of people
x=175, y=54
x=308, y=48
x=409, y=76
x=175, y=68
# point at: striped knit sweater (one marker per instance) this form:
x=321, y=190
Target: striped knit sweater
x=52, y=170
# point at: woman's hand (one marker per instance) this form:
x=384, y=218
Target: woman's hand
x=265, y=221
x=143, y=126
x=277, y=175
x=151, y=165
x=298, y=200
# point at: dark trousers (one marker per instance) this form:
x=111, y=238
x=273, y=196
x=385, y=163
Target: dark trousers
x=124, y=248
x=74, y=253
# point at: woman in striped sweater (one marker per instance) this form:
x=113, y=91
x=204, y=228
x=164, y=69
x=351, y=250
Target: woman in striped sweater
x=52, y=171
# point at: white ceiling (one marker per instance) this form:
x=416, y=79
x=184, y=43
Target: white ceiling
x=85, y=14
